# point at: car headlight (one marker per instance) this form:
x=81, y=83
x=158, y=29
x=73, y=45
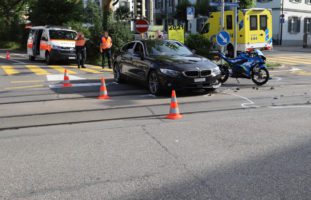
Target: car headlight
x=56, y=47
x=216, y=70
x=170, y=72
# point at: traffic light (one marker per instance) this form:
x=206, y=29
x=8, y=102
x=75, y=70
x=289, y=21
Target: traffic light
x=139, y=8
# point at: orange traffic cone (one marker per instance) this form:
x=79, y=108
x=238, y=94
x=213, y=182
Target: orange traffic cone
x=66, y=82
x=174, y=110
x=103, y=94
x=8, y=55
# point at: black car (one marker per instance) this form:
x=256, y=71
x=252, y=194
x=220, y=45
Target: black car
x=164, y=65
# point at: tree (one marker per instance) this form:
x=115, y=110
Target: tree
x=9, y=9
x=122, y=13
x=245, y=4
x=55, y=12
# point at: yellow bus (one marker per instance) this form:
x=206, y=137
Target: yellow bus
x=254, y=29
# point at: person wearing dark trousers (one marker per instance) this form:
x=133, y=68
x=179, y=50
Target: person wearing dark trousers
x=80, y=50
x=105, y=49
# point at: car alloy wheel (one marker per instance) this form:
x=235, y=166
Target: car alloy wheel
x=117, y=74
x=153, y=82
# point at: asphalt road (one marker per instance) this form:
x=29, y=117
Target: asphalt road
x=240, y=142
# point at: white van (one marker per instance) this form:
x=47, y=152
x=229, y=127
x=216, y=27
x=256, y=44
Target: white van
x=51, y=44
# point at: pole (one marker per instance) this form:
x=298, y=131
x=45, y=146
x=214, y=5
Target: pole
x=281, y=20
x=235, y=24
x=222, y=19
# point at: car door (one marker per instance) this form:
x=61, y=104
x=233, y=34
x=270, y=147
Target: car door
x=126, y=58
x=140, y=66
x=36, y=42
x=44, y=44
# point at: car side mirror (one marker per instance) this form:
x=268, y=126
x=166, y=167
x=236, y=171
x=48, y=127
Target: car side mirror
x=193, y=51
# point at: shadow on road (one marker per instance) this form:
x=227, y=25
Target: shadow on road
x=279, y=176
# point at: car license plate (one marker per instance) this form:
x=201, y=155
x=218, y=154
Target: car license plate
x=72, y=58
x=197, y=80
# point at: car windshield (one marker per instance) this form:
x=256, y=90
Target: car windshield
x=62, y=35
x=166, y=48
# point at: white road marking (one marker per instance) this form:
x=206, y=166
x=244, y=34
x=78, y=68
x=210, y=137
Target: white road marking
x=60, y=77
x=293, y=69
x=276, y=78
x=249, y=104
x=19, y=62
x=282, y=107
x=75, y=85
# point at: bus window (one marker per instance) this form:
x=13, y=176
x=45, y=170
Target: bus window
x=229, y=22
x=263, y=22
x=253, y=23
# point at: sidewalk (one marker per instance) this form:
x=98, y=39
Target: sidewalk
x=291, y=48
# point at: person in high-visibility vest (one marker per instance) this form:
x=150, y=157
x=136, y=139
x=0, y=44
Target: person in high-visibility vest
x=105, y=48
x=80, y=50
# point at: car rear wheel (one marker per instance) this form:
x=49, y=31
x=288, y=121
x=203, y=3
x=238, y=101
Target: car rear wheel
x=153, y=83
x=31, y=58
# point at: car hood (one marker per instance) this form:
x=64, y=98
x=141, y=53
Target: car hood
x=181, y=63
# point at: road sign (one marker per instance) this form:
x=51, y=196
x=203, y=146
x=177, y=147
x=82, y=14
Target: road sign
x=141, y=26
x=190, y=13
x=223, y=38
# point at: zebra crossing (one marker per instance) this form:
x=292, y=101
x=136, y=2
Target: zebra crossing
x=43, y=70
x=289, y=61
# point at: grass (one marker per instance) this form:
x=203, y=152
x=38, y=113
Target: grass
x=11, y=45
x=272, y=65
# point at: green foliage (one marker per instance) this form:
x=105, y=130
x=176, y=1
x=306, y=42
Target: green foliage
x=55, y=12
x=181, y=10
x=120, y=34
x=245, y=4
x=199, y=43
x=10, y=9
x=122, y=13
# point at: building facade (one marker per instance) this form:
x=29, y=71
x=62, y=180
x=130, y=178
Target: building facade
x=291, y=20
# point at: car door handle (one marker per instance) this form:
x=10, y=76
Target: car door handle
x=261, y=34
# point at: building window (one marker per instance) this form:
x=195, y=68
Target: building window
x=229, y=22
x=263, y=22
x=308, y=1
x=253, y=23
x=295, y=1
x=293, y=25
x=307, y=25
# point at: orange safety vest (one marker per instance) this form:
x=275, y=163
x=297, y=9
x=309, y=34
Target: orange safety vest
x=80, y=42
x=106, y=42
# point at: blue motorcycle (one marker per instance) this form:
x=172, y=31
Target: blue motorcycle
x=249, y=65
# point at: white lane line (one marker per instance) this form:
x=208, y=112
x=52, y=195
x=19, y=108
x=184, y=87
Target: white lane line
x=249, y=104
x=293, y=69
x=285, y=107
x=276, y=78
x=53, y=86
x=19, y=62
x=75, y=85
x=60, y=77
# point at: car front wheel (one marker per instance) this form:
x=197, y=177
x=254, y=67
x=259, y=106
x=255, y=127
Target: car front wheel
x=117, y=74
x=153, y=83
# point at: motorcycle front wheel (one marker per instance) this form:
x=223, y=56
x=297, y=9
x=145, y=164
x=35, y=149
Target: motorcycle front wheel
x=260, y=76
